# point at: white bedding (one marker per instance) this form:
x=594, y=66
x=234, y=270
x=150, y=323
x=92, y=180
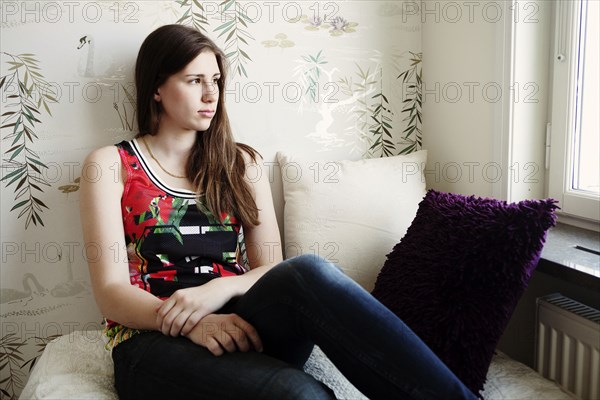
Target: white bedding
x=76, y=366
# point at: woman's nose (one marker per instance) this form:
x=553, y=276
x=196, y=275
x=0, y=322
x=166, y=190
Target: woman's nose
x=210, y=92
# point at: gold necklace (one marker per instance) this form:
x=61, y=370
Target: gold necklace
x=158, y=162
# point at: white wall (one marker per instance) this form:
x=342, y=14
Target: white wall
x=485, y=67
x=459, y=53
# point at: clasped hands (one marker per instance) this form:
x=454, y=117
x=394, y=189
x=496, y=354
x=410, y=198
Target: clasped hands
x=190, y=312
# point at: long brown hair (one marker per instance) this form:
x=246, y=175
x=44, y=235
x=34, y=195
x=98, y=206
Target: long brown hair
x=216, y=161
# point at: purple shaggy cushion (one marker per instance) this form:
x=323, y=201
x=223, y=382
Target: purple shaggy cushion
x=456, y=276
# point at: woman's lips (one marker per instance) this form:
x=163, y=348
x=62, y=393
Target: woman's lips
x=207, y=113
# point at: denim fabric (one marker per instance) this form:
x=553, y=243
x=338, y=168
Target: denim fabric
x=154, y=366
x=302, y=301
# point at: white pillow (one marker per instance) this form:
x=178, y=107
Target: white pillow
x=350, y=212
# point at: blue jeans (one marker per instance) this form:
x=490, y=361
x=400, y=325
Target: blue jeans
x=301, y=302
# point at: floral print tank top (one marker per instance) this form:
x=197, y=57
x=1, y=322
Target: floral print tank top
x=173, y=241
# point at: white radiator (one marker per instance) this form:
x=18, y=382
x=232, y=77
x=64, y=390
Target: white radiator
x=568, y=345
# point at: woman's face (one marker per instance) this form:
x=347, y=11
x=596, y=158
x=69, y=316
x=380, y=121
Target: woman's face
x=189, y=98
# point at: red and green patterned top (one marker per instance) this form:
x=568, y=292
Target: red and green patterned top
x=173, y=242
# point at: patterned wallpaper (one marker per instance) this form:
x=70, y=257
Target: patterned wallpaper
x=338, y=78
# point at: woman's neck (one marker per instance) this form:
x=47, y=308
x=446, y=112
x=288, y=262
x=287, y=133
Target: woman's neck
x=174, y=145
x=170, y=151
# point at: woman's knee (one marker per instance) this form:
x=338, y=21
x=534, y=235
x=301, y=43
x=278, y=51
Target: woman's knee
x=311, y=265
x=300, y=275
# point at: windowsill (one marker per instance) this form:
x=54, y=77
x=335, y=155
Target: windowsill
x=561, y=259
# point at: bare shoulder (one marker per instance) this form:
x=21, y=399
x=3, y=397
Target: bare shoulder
x=256, y=172
x=102, y=163
x=103, y=155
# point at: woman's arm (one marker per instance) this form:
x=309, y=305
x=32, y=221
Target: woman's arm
x=186, y=307
x=263, y=242
x=100, y=207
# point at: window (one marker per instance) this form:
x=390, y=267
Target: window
x=573, y=156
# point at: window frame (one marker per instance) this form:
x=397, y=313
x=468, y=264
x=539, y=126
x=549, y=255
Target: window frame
x=575, y=204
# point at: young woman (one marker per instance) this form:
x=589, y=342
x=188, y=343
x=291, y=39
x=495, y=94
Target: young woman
x=187, y=316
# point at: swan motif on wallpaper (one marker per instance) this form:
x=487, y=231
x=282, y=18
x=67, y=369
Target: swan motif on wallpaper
x=88, y=42
x=33, y=289
x=9, y=295
x=97, y=62
x=106, y=76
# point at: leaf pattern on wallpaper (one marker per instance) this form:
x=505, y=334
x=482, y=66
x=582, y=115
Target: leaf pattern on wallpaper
x=194, y=14
x=381, y=126
x=235, y=30
x=309, y=72
x=127, y=102
x=12, y=362
x=32, y=95
x=372, y=110
x=412, y=78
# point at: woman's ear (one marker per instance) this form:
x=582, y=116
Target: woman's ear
x=157, y=95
